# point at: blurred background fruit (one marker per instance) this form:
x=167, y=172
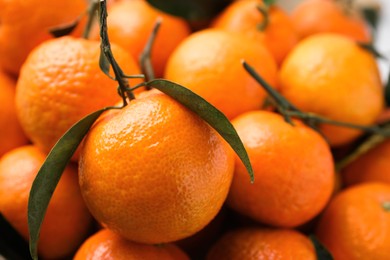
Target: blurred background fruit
x=67, y=221
x=26, y=23
x=209, y=63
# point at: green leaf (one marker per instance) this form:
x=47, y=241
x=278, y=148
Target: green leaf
x=192, y=10
x=387, y=91
x=269, y=2
x=208, y=113
x=371, y=15
x=104, y=64
x=50, y=173
x=370, y=48
x=321, y=252
x=63, y=30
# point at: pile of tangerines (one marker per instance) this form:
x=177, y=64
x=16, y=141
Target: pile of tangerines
x=152, y=180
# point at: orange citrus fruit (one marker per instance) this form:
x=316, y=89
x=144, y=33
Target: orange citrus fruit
x=26, y=23
x=130, y=24
x=356, y=223
x=374, y=165
x=106, y=244
x=262, y=243
x=332, y=76
x=209, y=63
x=60, y=83
x=12, y=135
x=279, y=35
x=293, y=167
x=154, y=172
x=67, y=220
x=324, y=16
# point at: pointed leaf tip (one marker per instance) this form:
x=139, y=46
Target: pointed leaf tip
x=321, y=252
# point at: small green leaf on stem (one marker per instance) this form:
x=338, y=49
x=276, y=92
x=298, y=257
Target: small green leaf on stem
x=321, y=252
x=50, y=173
x=63, y=30
x=208, y=113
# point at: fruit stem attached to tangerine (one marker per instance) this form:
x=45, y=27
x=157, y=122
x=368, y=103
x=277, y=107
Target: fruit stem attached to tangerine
x=124, y=89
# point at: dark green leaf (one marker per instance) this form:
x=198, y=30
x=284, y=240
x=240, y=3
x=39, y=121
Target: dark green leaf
x=321, y=252
x=63, y=30
x=192, y=10
x=208, y=113
x=269, y=2
x=50, y=173
x=104, y=64
x=387, y=91
x=371, y=15
x=370, y=48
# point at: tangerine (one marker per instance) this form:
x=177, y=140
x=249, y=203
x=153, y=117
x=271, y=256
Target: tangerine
x=332, y=76
x=154, y=172
x=324, y=16
x=67, y=220
x=278, y=35
x=293, y=168
x=209, y=63
x=355, y=224
x=26, y=23
x=262, y=243
x=60, y=83
x=106, y=244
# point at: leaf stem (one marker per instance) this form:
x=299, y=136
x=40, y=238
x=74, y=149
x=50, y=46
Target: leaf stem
x=264, y=10
x=145, y=58
x=124, y=88
x=93, y=7
x=288, y=110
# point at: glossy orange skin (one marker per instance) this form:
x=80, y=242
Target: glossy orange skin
x=67, y=220
x=12, y=135
x=374, y=165
x=279, y=36
x=293, y=168
x=262, y=243
x=130, y=24
x=324, y=16
x=209, y=62
x=105, y=244
x=60, y=83
x=157, y=164
x=330, y=75
x=355, y=225
x=26, y=23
